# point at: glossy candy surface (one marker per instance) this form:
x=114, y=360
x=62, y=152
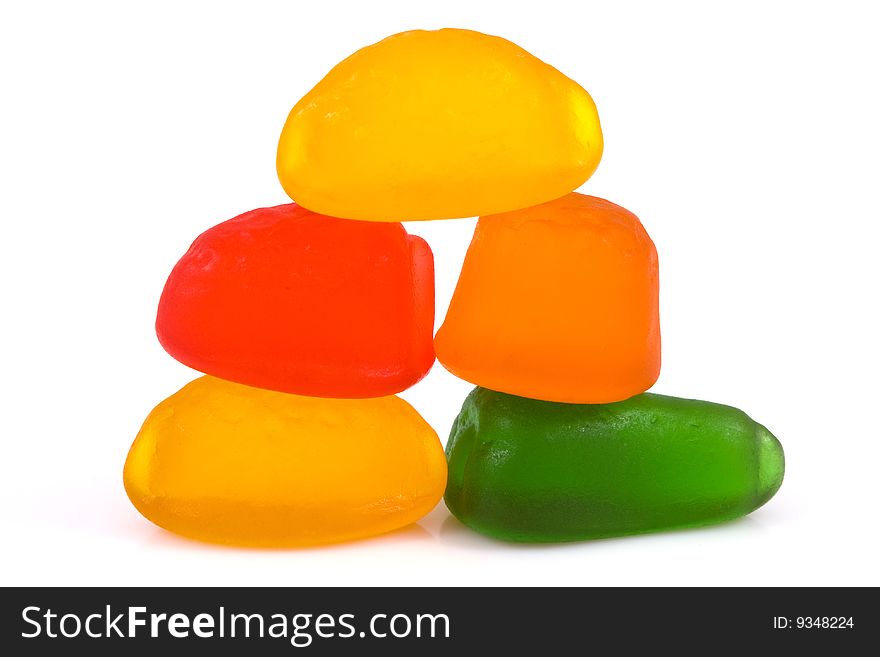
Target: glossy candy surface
x=557, y=302
x=223, y=462
x=285, y=299
x=527, y=470
x=435, y=125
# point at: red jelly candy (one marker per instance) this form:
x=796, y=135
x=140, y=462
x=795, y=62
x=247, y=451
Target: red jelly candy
x=290, y=300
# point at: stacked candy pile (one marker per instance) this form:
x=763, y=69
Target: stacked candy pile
x=308, y=324
x=558, y=304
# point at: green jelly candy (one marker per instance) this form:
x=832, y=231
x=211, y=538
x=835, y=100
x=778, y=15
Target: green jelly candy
x=528, y=470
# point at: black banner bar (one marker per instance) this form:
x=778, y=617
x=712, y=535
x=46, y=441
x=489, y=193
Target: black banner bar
x=421, y=621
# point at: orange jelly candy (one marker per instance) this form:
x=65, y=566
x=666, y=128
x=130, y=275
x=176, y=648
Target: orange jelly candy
x=227, y=463
x=290, y=300
x=557, y=302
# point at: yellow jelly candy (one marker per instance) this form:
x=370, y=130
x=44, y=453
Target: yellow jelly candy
x=227, y=463
x=438, y=124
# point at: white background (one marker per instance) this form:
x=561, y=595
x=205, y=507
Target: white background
x=746, y=140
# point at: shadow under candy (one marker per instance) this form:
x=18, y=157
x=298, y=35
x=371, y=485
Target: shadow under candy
x=455, y=533
x=413, y=533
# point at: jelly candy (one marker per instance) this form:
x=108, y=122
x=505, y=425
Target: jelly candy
x=435, y=125
x=285, y=299
x=223, y=462
x=528, y=470
x=557, y=302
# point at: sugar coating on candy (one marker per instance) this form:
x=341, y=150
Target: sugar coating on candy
x=227, y=463
x=528, y=470
x=557, y=302
x=286, y=299
x=435, y=125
